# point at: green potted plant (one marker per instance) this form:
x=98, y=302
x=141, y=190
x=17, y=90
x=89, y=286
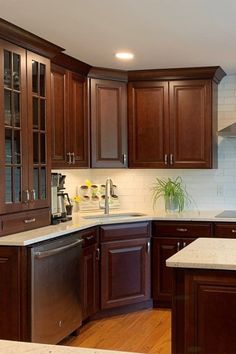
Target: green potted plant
x=174, y=193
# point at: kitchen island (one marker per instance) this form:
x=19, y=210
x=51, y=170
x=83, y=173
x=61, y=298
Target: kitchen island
x=204, y=299
x=12, y=347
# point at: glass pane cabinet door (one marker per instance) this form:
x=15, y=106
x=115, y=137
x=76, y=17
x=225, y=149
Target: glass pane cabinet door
x=13, y=127
x=38, y=71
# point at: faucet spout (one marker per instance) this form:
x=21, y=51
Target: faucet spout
x=108, y=193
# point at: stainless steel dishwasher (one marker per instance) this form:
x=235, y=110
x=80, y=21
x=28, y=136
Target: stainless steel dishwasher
x=55, y=289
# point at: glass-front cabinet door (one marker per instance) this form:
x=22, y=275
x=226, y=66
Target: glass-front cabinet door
x=38, y=74
x=13, y=129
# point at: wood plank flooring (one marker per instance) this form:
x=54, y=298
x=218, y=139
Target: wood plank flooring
x=147, y=331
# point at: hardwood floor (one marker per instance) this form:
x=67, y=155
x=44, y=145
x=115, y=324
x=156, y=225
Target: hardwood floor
x=147, y=331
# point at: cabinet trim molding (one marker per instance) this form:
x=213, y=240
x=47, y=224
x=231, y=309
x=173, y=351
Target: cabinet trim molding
x=28, y=40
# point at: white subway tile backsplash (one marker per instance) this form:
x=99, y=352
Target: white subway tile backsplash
x=210, y=189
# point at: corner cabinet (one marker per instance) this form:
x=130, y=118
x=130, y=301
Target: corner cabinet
x=172, y=122
x=125, y=264
x=24, y=128
x=108, y=100
x=69, y=119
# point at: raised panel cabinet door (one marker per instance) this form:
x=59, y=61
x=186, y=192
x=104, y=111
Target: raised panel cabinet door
x=13, y=129
x=148, y=118
x=162, y=277
x=59, y=112
x=77, y=121
x=108, y=123
x=39, y=130
x=191, y=125
x=210, y=307
x=125, y=272
x=90, y=281
x=162, y=248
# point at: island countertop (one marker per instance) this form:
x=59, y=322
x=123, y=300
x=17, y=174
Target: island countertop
x=12, y=347
x=206, y=253
x=79, y=223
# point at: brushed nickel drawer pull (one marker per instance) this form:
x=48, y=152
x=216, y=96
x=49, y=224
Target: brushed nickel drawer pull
x=29, y=221
x=171, y=159
x=148, y=247
x=181, y=229
x=233, y=231
x=184, y=244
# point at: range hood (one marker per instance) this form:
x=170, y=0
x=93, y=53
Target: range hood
x=229, y=131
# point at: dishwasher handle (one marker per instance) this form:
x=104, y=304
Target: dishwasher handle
x=54, y=251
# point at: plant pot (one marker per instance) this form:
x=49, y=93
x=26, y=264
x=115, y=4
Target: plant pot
x=171, y=205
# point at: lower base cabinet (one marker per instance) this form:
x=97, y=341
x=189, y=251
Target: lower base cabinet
x=125, y=264
x=13, y=294
x=90, y=274
x=162, y=249
x=204, y=311
x=125, y=272
x=169, y=238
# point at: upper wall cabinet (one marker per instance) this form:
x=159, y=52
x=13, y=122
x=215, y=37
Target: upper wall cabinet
x=172, y=123
x=69, y=119
x=108, y=104
x=24, y=128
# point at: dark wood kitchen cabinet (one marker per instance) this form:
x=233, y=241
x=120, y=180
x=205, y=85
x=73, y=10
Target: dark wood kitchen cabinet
x=69, y=118
x=90, y=274
x=204, y=311
x=24, y=131
x=108, y=99
x=125, y=264
x=169, y=238
x=13, y=294
x=172, y=123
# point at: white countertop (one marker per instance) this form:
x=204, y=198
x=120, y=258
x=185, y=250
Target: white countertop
x=206, y=253
x=12, y=347
x=78, y=223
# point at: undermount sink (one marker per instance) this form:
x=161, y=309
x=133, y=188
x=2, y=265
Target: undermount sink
x=116, y=215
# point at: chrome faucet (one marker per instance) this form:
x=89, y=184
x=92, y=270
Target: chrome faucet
x=108, y=193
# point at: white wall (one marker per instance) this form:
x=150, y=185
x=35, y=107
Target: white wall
x=210, y=189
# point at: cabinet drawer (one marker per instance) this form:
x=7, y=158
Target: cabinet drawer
x=124, y=231
x=24, y=221
x=89, y=237
x=182, y=229
x=225, y=230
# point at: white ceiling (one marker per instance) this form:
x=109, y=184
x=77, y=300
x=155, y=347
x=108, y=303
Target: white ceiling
x=160, y=33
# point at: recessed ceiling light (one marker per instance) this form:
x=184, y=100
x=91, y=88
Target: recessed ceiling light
x=124, y=56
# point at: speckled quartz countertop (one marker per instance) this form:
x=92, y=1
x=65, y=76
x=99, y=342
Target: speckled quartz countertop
x=78, y=223
x=206, y=253
x=12, y=347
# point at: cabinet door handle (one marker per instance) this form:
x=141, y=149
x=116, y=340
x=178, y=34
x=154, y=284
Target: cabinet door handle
x=73, y=158
x=98, y=254
x=124, y=159
x=29, y=221
x=171, y=159
x=148, y=247
x=33, y=194
x=233, y=231
x=166, y=159
x=69, y=157
x=184, y=244
x=181, y=229
x=27, y=196
x=178, y=246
